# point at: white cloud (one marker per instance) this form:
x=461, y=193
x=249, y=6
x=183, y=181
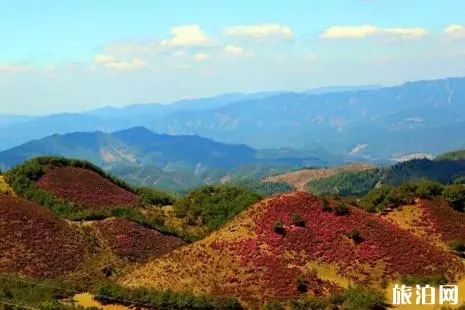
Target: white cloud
x=265, y=31
x=133, y=64
x=359, y=32
x=238, y=51
x=455, y=31
x=103, y=59
x=110, y=62
x=132, y=48
x=188, y=35
x=312, y=57
x=179, y=53
x=13, y=68
x=49, y=68
x=201, y=57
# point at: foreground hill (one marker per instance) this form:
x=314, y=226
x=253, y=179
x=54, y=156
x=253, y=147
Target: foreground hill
x=74, y=222
x=35, y=242
x=294, y=244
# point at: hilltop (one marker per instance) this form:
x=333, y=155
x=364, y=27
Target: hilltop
x=454, y=155
x=299, y=179
x=269, y=249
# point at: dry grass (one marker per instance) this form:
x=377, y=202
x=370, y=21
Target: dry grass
x=5, y=188
x=299, y=179
x=86, y=300
x=247, y=259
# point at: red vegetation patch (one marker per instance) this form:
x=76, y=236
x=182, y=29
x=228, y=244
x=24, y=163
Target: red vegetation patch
x=249, y=259
x=34, y=242
x=86, y=188
x=135, y=242
x=439, y=217
x=324, y=238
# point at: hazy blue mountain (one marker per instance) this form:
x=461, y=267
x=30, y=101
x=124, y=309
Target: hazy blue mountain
x=171, y=162
x=412, y=117
x=342, y=88
x=11, y=119
x=368, y=121
x=106, y=119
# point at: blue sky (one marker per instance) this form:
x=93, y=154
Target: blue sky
x=76, y=55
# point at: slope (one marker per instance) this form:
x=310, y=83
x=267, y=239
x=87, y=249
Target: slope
x=434, y=220
x=85, y=188
x=35, y=242
x=272, y=248
x=358, y=183
x=300, y=178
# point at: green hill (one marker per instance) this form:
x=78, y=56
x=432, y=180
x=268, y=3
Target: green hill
x=359, y=183
x=455, y=155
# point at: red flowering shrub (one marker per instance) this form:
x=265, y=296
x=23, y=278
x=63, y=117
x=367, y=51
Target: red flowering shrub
x=34, y=242
x=86, y=188
x=323, y=238
x=135, y=242
x=249, y=260
x=439, y=217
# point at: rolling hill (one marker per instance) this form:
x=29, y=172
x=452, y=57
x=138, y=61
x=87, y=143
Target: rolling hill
x=358, y=183
x=299, y=179
x=74, y=222
x=35, y=242
x=256, y=259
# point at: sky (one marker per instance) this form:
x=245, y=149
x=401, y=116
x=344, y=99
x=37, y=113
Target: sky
x=75, y=55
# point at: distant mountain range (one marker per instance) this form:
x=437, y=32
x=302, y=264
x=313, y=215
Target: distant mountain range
x=370, y=121
x=170, y=162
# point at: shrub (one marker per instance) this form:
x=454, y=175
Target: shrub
x=153, y=196
x=459, y=180
x=457, y=245
x=325, y=206
x=312, y=303
x=341, y=209
x=107, y=292
x=433, y=280
x=302, y=286
x=297, y=220
x=360, y=298
x=355, y=236
x=278, y=228
x=34, y=294
x=427, y=189
x=215, y=204
x=455, y=195
x=274, y=306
